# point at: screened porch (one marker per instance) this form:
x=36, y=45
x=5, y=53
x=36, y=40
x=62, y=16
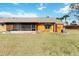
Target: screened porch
x=21, y=27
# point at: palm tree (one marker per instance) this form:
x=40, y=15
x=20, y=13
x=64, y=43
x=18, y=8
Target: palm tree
x=66, y=22
x=65, y=17
x=61, y=18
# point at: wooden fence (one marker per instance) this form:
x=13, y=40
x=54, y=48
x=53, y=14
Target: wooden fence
x=72, y=26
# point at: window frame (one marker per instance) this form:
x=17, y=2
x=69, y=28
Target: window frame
x=33, y=28
x=47, y=26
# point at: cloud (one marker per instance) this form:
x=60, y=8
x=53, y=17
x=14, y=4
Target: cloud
x=41, y=7
x=66, y=3
x=20, y=11
x=8, y=14
x=64, y=10
x=15, y=3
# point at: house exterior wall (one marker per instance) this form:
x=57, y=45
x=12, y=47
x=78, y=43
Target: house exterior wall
x=52, y=28
x=2, y=27
x=55, y=28
x=59, y=27
x=41, y=28
x=9, y=27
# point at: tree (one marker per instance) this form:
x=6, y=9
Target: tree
x=47, y=17
x=74, y=6
x=61, y=18
x=65, y=17
x=74, y=22
x=75, y=10
x=77, y=16
x=66, y=22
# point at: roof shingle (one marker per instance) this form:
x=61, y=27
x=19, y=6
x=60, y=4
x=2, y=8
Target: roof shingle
x=5, y=20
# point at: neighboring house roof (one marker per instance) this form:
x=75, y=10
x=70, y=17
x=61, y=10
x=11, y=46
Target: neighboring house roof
x=39, y=20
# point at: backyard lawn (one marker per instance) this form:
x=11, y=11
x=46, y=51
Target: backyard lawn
x=43, y=44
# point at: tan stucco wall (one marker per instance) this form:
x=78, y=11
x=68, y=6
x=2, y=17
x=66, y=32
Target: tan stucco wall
x=52, y=28
x=59, y=27
x=41, y=27
x=2, y=27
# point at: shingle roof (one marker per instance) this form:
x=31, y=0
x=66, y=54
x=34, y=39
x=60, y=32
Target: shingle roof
x=52, y=20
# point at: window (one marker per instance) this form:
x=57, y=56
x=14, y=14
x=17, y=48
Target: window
x=33, y=27
x=47, y=26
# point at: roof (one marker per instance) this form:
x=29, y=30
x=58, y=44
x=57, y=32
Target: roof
x=22, y=20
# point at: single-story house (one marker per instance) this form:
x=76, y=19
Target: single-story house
x=30, y=24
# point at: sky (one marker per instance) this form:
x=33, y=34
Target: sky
x=33, y=9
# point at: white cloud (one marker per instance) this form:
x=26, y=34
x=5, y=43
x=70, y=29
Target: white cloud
x=15, y=3
x=20, y=11
x=64, y=10
x=8, y=14
x=66, y=3
x=41, y=7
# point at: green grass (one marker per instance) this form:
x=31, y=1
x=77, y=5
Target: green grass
x=43, y=44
